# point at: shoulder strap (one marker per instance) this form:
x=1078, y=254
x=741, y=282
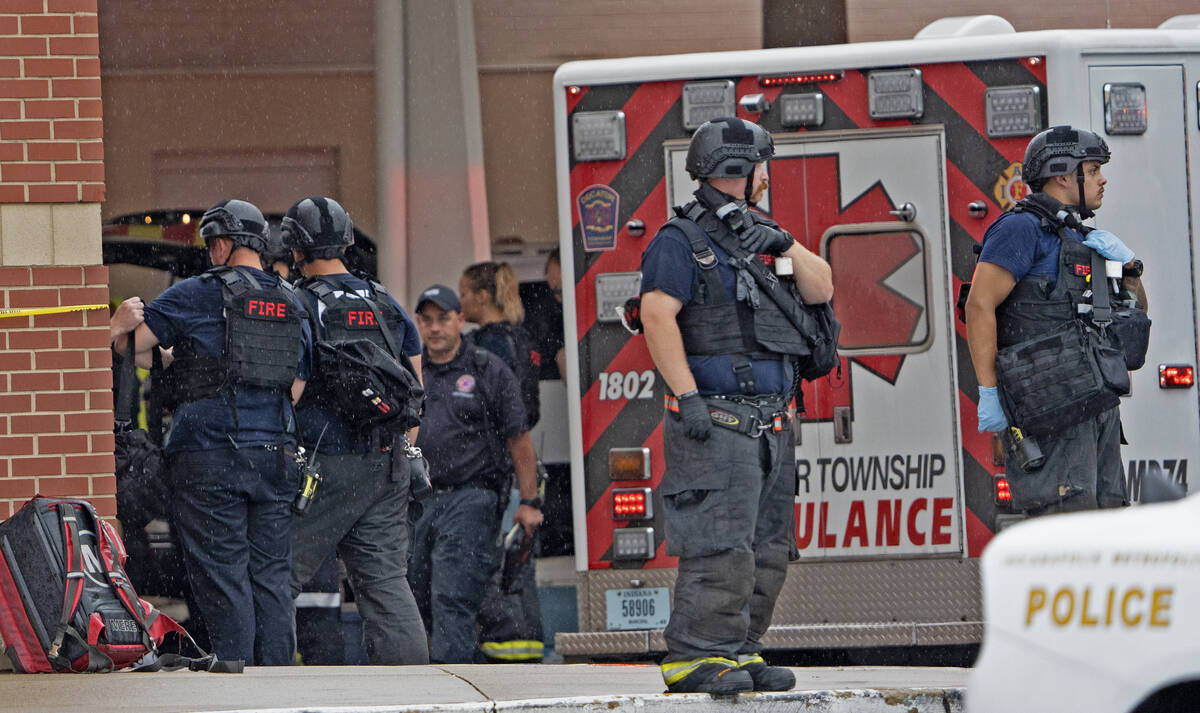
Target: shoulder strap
x=705, y=257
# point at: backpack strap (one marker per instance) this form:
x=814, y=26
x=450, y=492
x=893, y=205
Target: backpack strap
x=73, y=555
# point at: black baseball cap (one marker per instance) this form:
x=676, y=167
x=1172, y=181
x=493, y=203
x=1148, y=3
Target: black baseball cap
x=441, y=296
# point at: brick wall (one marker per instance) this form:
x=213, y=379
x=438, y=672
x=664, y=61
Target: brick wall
x=55, y=388
x=50, y=113
x=55, y=369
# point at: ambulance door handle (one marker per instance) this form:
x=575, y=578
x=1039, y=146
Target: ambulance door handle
x=906, y=212
x=843, y=432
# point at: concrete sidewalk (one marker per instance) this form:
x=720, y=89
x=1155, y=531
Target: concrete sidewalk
x=469, y=689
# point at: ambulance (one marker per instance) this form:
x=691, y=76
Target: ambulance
x=892, y=158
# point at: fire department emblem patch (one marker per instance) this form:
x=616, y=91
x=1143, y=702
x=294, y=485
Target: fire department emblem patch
x=598, y=217
x=1009, y=188
x=465, y=384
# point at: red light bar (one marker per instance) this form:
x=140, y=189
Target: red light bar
x=810, y=78
x=1003, y=493
x=631, y=504
x=1175, y=376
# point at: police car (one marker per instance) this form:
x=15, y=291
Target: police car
x=1093, y=611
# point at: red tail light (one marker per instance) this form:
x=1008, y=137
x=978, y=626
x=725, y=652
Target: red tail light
x=1175, y=376
x=632, y=504
x=1003, y=494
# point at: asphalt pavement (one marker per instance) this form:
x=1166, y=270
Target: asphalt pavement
x=487, y=689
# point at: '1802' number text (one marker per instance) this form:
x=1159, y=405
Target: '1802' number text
x=616, y=385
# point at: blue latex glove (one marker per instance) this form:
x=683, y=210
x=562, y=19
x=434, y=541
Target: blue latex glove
x=1108, y=245
x=991, y=416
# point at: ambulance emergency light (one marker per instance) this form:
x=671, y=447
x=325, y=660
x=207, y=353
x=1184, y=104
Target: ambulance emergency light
x=1013, y=111
x=1125, y=108
x=629, y=463
x=895, y=94
x=703, y=101
x=598, y=135
x=632, y=504
x=633, y=543
x=802, y=109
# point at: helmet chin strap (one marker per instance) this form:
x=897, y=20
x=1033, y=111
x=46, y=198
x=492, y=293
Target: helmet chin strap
x=1084, y=211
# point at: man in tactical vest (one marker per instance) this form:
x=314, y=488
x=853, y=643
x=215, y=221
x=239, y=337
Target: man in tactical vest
x=475, y=435
x=1034, y=281
x=723, y=343
x=361, y=507
x=241, y=350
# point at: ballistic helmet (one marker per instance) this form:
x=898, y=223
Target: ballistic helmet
x=319, y=227
x=1059, y=151
x=239, y=221
x=728, y=148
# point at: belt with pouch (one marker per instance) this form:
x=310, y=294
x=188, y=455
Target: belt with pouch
x=753, y=425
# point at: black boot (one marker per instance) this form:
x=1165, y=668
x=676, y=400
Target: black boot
x=766, y=678
x=718, y=676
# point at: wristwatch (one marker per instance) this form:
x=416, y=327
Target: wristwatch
x=1133, y=269
x=535, y=502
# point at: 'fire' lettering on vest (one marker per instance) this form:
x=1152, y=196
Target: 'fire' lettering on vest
x=360, y=318
x=266, y=309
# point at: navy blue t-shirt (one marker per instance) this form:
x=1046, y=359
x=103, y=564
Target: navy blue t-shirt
x=460, y=443
x=1018, y=243
x=342, y=437
x=193, y=310
x=669, y=265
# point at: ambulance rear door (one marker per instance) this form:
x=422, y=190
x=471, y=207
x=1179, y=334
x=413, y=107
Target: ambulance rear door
x=878, y=456
x=1146, y=204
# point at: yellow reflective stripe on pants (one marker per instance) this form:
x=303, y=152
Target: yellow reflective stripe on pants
x=517, y=650
x=744, y=659
x=677, y=670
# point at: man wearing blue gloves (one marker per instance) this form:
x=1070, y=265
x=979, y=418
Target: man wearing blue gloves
x=1033, y=280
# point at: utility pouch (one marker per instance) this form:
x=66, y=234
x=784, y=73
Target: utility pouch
x=1052, y=382
x=419, y=485
x=1130, y=332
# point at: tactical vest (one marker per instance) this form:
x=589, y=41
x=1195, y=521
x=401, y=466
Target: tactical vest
x=714, y=323
x=346, y=317
x=1056, y=364
x=263, y=334
x=1040, y=303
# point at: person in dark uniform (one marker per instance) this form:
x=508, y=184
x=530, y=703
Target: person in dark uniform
x=1019, y=292
x=730, y=472
x=474, y=435
x=510, y=623
x=361, y=507
x=241, y=351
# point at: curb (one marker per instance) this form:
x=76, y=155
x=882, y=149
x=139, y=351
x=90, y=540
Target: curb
x=895, y=700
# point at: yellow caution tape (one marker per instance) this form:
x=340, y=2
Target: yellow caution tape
x=48, y=310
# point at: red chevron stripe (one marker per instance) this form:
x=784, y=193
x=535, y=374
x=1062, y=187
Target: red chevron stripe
x=963, y=90
x=850, y=95
x=600, y=524
x=597, y=413
x=653, y=213
x=960, y=192
x=643, y=111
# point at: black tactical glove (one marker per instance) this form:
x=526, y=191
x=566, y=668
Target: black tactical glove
x=763, y=239
x=693, y=411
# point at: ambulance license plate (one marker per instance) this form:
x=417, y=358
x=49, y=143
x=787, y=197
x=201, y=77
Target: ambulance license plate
x=630, y=609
